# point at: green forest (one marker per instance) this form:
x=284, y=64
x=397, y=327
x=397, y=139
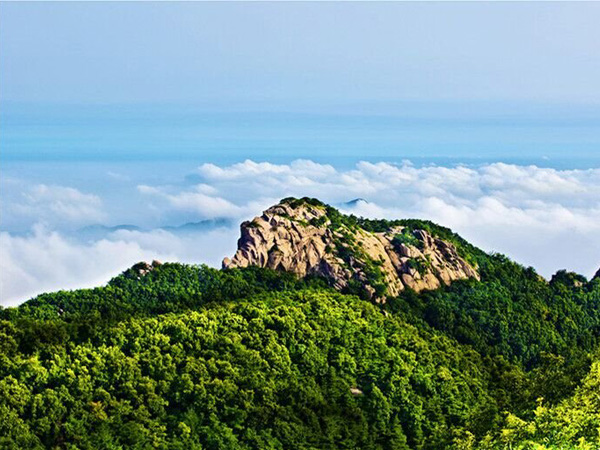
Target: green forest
x=191, y=357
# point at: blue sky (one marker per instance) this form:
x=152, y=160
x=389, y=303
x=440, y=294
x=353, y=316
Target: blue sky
x=157, y=114
x=238, y=54
x=227, y=81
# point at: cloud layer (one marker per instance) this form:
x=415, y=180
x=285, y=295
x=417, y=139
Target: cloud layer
x=47, y=260
x=544, y=217
x=53, y=205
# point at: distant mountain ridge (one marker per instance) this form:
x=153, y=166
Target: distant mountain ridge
x=99, y=231
x=355, y=202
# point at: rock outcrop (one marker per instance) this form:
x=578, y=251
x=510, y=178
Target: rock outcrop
x=300, y=236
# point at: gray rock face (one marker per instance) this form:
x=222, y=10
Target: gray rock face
x=299, y=238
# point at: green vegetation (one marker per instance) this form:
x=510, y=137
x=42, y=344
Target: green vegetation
x=572, y=424
x=407, y=237
x=273, y=370
x=354, y=257
x=318, y=221
x=419, y=264
x=188, y=357
x=296, y=202
x=512, y=313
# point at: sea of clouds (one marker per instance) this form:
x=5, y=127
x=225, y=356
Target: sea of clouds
x=544, y=217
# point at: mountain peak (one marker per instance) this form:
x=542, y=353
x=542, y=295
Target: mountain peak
x=307, y=237
x=356, y=202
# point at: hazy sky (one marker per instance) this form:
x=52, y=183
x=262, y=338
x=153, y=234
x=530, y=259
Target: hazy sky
x=304, y=53
x=279, y=81
x=157, y=114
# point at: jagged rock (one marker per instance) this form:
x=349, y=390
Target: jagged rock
x=299, y=237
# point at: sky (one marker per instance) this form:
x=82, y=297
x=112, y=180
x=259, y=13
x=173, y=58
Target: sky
x=294, y=54
x=484, y=117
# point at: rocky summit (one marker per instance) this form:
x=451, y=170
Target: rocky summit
x=307, y=237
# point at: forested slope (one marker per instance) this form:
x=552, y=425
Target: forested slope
x=178, y=356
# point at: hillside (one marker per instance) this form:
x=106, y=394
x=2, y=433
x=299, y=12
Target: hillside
x=319, y=333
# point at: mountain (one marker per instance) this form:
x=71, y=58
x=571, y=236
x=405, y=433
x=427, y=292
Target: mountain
x=306, y=237
x=96, y=232
x=203, y=225
x=355, y=202
x=318, y=333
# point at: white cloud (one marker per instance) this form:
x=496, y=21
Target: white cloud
x=58, y=205
x=144, y=189
x=204, y=205
x=48, y=261
x=544, y=217
x=250, y=169
x=201, y=202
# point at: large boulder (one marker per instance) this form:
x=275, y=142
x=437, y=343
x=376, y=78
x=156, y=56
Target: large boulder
x=299, y=236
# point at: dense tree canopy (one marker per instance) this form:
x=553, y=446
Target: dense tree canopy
x=189, y=357
x=294, y=369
